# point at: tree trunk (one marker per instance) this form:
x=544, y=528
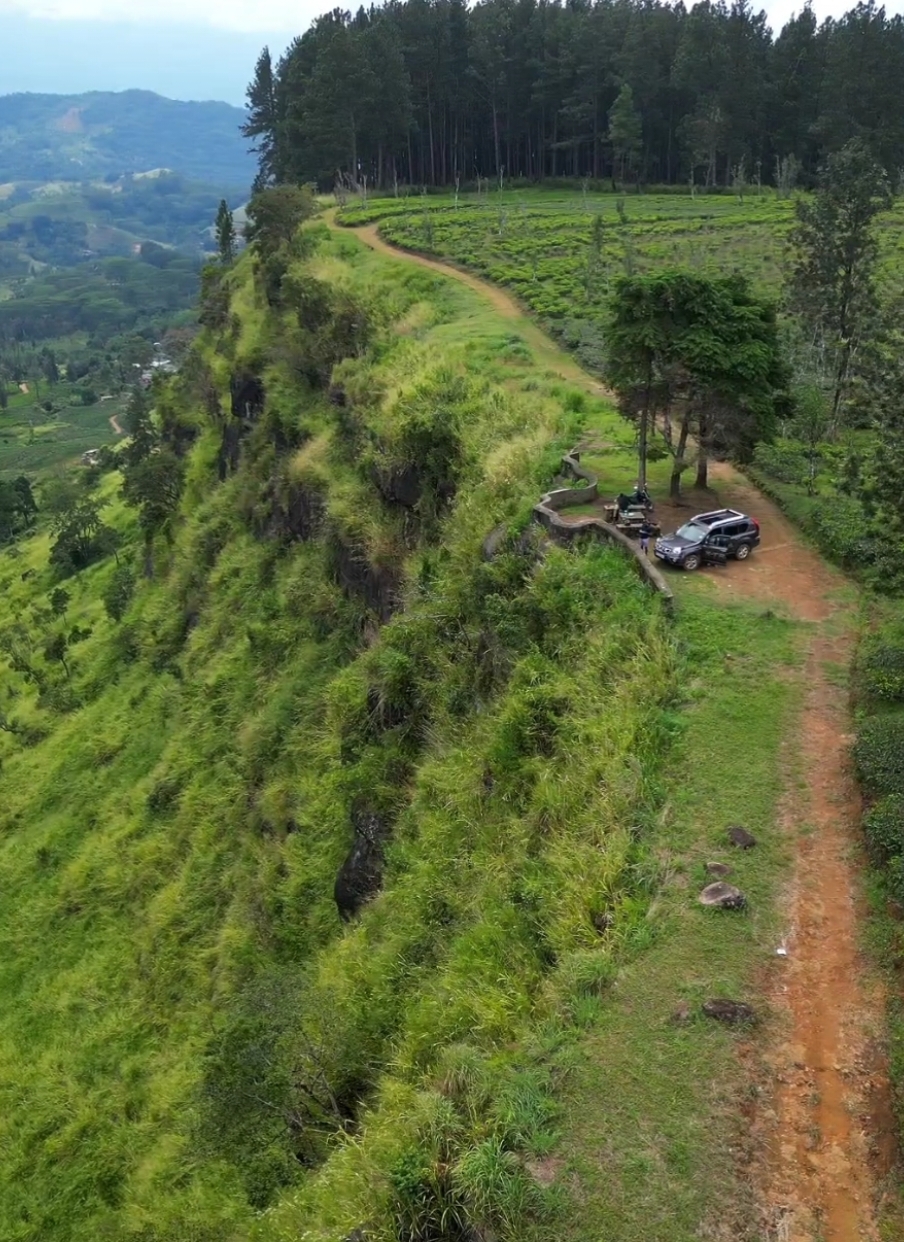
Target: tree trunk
x=496, y=138
x=702, y=479
x=642, y=447
x=596, y=142
x=430, y=131
x=678, y=461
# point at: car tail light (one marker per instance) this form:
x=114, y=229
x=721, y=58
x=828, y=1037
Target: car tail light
x=756, y=524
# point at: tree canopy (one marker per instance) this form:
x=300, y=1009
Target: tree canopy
x=427, y=93
x=702, y=352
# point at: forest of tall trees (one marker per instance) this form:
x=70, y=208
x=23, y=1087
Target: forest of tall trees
x=425, y=92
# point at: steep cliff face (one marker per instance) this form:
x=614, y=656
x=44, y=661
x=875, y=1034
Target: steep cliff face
x=310, y=870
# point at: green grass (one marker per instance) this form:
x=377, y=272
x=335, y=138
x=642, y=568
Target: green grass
x=191, y=1043
x=174, y=814
x=653, y=1118
x=539, y=243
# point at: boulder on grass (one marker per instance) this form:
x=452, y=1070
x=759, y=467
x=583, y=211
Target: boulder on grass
x=731, y=1012
x=722, y=896
x=741, y=837
x=718, y=871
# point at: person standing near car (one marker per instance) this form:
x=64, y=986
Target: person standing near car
x=645, y=532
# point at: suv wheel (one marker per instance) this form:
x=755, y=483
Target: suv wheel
x=743, y=551
x=692, y=561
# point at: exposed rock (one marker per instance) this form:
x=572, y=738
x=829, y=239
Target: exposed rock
x=493, y=541
x=732, y=1013
x=400, y=485
x=361, y=875
x=723, y=896
x=230, y=445
x=741, y=837
x=604, y=921
x=378, y=586
x=247, y=395
x=297, y=512
x=718, y=870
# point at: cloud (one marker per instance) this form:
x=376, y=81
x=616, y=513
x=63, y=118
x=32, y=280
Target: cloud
x=289, y=16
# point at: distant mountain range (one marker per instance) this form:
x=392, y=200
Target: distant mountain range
x=46, y=138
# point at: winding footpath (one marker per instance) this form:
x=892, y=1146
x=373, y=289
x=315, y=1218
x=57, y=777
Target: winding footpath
x=823, y=1126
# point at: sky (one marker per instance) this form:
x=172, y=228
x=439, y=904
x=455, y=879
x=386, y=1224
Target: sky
x=186, y=49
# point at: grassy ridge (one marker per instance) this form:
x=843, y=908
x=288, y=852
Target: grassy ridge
x=205, y=1040
x=169, y=847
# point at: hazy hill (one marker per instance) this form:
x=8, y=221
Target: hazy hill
x=79, y=137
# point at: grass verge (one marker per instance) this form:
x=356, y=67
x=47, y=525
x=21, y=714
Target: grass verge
x=653, y=1109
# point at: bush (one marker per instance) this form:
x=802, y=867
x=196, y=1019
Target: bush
x=884, y=827
x=839, y=527
x=785, y=461
x=879, y=755
x=881, y=670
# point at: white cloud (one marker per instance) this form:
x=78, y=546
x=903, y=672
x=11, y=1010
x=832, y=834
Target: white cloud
x=294, y=16
x=779, y=11
x=290, y=16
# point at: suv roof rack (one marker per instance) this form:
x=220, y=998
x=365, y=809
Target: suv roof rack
x=718, y=515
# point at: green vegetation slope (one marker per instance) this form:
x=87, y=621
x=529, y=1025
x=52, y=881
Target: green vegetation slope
x=316, y=657
x=328, y=699
x=79, y=137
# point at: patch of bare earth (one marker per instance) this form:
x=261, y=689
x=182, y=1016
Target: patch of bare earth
x=824, y=1133
x=825, y=1128
x=71, y=122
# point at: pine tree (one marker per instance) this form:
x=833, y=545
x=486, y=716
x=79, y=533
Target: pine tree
x=263, y=124
x=835, y=254
x=225, y=230
x=142, y=433
x=625, y=132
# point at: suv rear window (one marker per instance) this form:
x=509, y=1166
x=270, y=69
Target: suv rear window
x=690, y=530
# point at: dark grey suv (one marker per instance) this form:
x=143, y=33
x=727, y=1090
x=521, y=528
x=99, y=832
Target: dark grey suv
x=710, y=538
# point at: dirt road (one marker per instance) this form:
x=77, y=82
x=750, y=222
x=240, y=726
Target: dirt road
x=547, y=351
x=824, y=1127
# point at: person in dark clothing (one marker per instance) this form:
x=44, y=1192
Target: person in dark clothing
x=645, y=532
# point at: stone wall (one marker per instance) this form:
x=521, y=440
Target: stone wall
x=546, y=512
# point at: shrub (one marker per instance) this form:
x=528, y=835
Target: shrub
x=879, y=755
x=784, y=461
x=884, y=827
x=881, y=670
x=839, y=527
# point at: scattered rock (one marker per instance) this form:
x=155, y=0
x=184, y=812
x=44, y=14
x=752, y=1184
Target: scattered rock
x=741, y=837
x=732, y=1013
x=361, y=875
x=682, y=1014
x=494, y=541
x=718, y=870
x=723, y=896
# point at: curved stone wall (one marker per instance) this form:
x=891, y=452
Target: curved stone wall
x=547, y=513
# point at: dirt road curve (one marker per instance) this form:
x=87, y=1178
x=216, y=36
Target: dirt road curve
x=824, y=1129
x=502, y=302
x=114, y=423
